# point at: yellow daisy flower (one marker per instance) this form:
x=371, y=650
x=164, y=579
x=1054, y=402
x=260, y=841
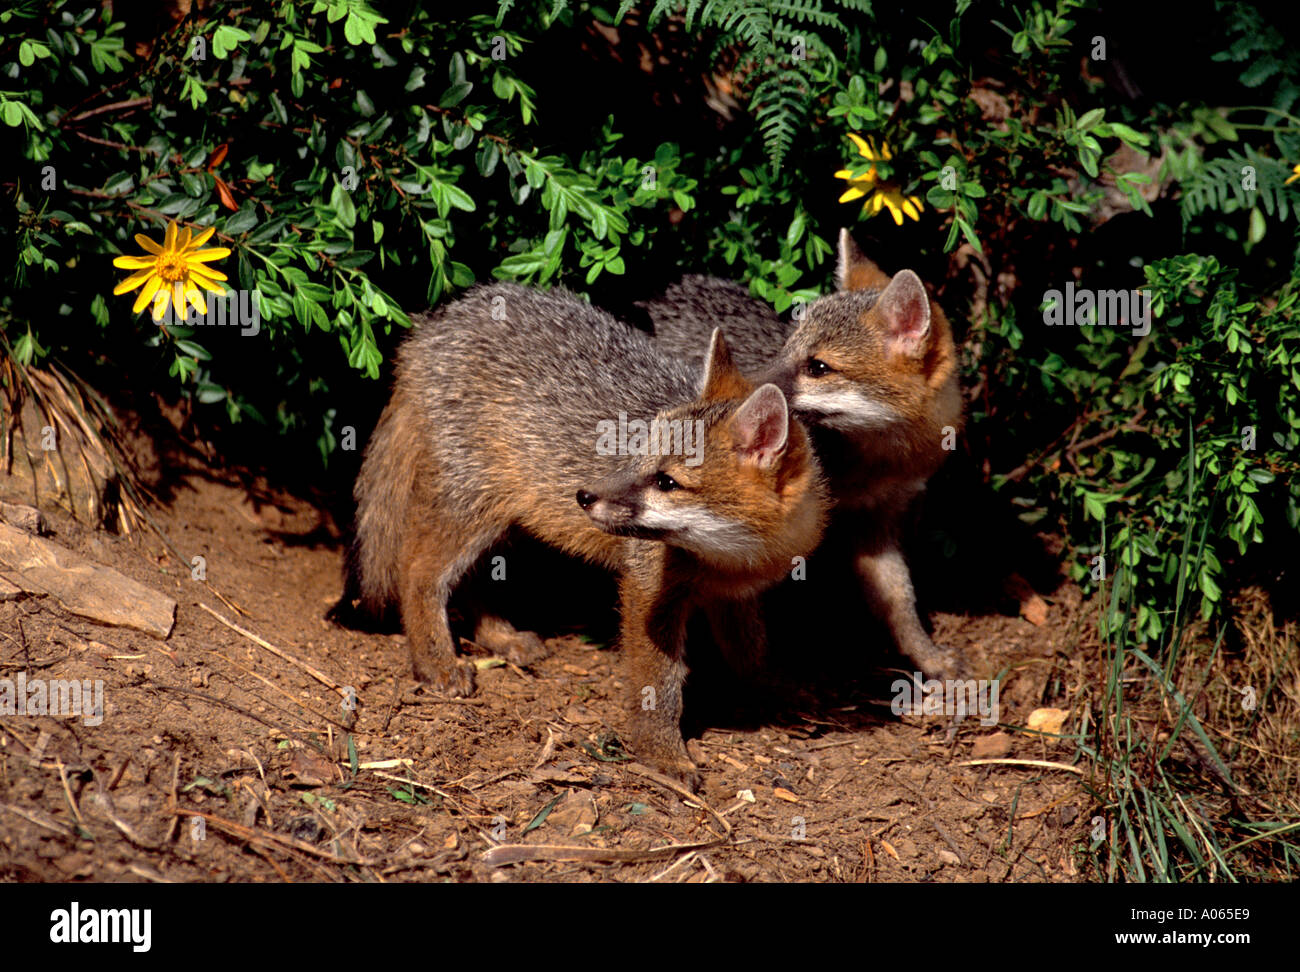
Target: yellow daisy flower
x=881, y=194
x=897, y=204
x=1293, y=178
x=172, y=272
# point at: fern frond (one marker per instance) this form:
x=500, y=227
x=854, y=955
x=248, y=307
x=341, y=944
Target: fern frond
x=661, y=9
x=765, y=33
x=1218, y=185
x=780, y=104
x=752, y=22
x=808, y=11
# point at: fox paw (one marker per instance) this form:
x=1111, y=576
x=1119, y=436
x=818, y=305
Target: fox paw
x=525, y=649
x=956, y=664
x=684, y=771
x=677, y=766
x=454, y=681
x=522, y=648
x=937, y=662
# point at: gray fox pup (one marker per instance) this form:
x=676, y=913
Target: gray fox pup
x=873, y=370
x=510, y=410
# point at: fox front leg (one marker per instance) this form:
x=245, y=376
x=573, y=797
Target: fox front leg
x=654, y=640
x=887, y=584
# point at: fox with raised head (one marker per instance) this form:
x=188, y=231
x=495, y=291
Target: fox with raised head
x=873, y=369
x=502, y=417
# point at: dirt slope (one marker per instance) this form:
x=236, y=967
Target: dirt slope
x=223, y=761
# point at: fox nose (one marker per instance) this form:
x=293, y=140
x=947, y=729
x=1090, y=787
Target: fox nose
x=587, y=499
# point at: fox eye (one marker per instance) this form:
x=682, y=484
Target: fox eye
x=665, y=483
x=817, y=367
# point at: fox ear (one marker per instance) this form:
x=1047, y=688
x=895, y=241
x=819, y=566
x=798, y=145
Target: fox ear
x=905, y=307
x=762, y=427
x=854, y=271
x=722, y=379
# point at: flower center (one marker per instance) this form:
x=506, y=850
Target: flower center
x=171, y=267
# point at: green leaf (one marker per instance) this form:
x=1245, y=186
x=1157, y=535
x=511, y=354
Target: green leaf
x=341, y=203
x=542, y=814
x=242, y=221
x=226, y=38
x=458, y=198
x=1128, y=134
x=193, y=350
x=455, y=94
x=1089, y=118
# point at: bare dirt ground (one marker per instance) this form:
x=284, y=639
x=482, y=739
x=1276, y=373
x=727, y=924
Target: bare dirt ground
x=221, y=760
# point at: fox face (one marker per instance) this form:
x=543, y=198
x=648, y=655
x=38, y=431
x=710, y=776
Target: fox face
x=753, y=491
x=873, y=356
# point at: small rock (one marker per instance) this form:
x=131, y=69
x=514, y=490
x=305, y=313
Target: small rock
x=83, y=587
x=309, y=769
x=23, y=517
x=948, y=857
x=577, y=715
x=306, y=829
x=574, y=815
x=75, y=865
x=1050, y=721
x=991, y=747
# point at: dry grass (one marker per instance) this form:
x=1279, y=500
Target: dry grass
x=62, y=438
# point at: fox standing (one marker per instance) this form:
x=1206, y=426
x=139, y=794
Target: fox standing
x=493, y=425
x=873, y=369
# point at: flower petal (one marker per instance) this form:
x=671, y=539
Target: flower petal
x=207, y=273
x=852, y=193
x=150, y=291
x=133, y=281
x=160, y=302
x=864, y=147
x=134, y=262
x=147, y=244
x=203, y=256
x=169, y=241
x=202, y=238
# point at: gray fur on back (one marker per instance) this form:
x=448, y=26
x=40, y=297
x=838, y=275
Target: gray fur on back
x=535, y=383
x=685, y=316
